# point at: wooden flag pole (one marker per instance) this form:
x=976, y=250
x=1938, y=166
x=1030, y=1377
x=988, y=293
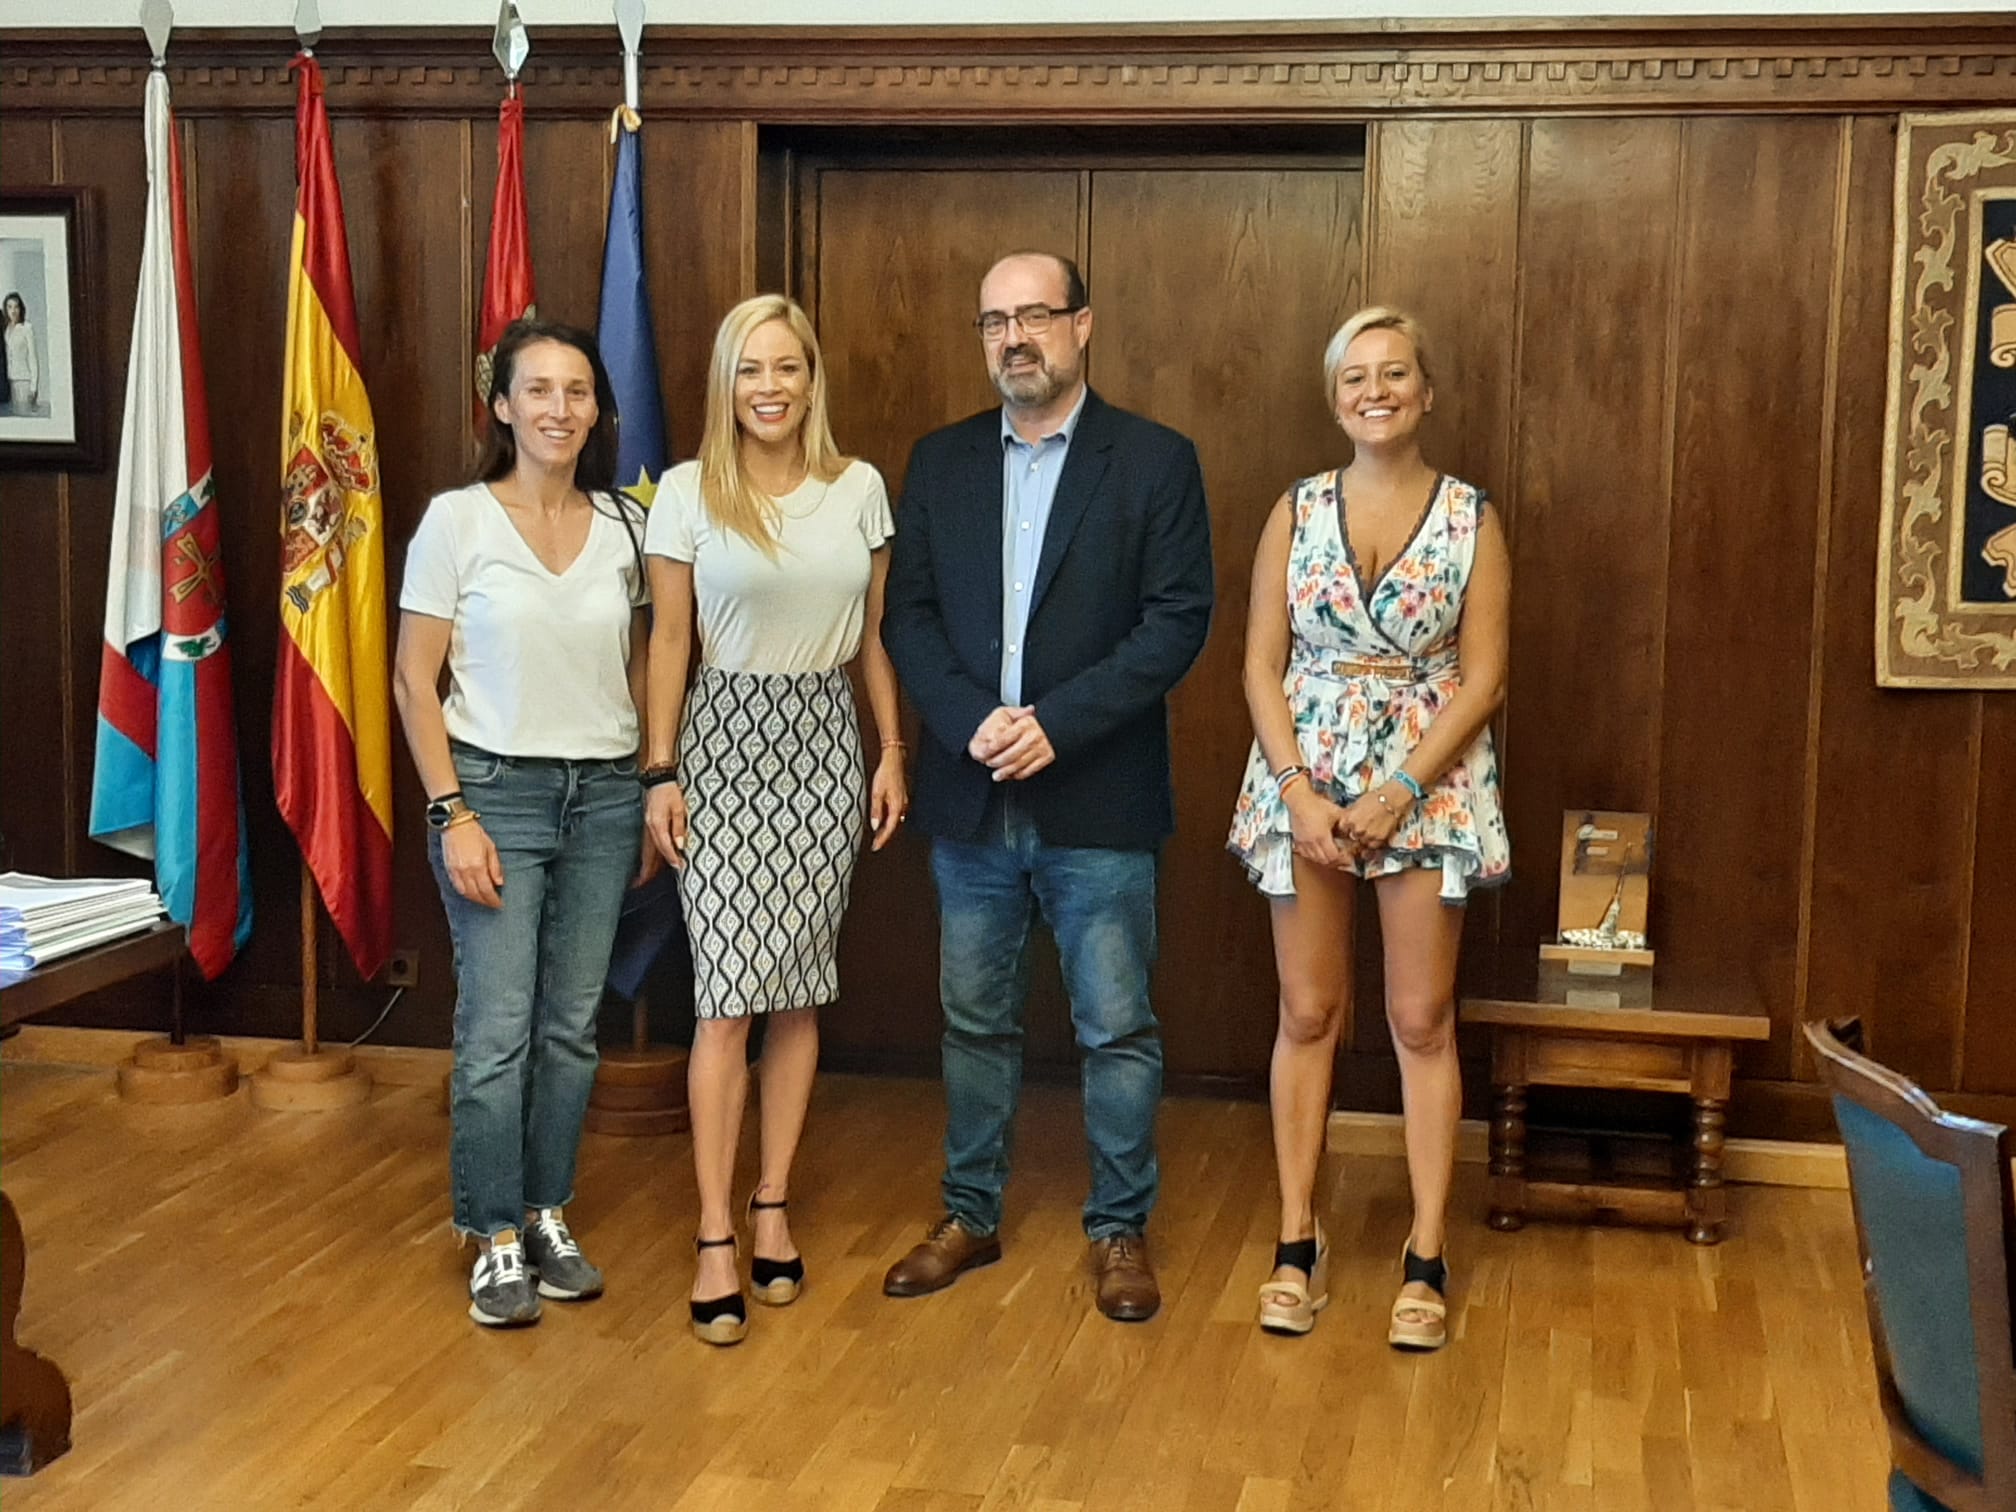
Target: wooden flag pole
x=311, y=975
x=179, y=1068
x=306, y=1078
x=176, y=1033
x=641, y=1088
x=174, y=1069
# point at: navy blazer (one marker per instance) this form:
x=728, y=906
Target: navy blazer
x=1119, y=611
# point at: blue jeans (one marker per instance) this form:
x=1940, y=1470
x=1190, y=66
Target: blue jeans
x=1100, y=905
x=528, y=976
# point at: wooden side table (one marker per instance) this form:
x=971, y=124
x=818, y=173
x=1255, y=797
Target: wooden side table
x=1557, y=1029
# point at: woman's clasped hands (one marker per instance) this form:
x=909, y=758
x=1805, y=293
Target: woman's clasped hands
x=1329, y=834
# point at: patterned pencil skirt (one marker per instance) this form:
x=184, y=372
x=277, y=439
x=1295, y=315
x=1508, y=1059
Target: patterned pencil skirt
x=776, y=800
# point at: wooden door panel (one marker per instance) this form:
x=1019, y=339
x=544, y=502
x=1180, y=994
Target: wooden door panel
x=896, y=262
x=1215, y=292
x=1219, y=334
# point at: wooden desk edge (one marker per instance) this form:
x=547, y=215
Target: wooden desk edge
x=72, y=977
x=1652, y=1023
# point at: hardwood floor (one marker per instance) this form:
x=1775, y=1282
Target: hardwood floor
x=266, y=1311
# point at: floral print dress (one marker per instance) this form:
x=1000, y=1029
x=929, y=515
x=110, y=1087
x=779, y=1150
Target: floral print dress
x=1368, y=671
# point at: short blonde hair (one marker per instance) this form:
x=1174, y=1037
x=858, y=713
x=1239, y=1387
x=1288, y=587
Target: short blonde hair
x=1373, y=318
x=732, y=499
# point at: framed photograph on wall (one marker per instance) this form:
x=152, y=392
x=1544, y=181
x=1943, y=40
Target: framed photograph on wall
x=49, y=401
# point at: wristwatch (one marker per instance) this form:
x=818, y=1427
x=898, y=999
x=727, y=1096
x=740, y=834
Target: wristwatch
x=441, y=811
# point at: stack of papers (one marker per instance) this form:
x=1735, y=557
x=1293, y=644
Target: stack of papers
x=43, y=919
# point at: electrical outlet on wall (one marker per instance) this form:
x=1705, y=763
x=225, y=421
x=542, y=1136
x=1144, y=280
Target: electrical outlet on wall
x=403, y=970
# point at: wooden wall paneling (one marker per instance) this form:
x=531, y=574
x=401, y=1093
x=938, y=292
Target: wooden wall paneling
x=410, y=265
x=33, y=776
x=241, y=177
x=1223, y=341
x=1443, y=243
x=567, y=169
x=1988, y=1046
x=900, y=257
x=110, y=154
x=29, y=161
x=696, y=173
x=1838, y=869
x=777, y=212
x=1750, y=371
x=1894, y=781
x=801, y=229
x=895, y=284
x=1589, y=507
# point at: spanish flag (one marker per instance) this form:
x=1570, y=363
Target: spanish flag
x=332, y=742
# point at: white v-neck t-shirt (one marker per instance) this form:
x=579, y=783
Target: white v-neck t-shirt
x=802, y=611
x=538, y=661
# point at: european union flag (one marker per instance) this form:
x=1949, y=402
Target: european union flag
x=650, y=919
x=623, y=326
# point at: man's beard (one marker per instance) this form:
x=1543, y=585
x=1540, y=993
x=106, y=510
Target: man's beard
x=1036, y=386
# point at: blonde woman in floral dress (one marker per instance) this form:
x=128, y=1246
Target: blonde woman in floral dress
x=1375, y=658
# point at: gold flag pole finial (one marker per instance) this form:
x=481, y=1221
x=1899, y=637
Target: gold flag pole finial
x=157, y=20
x=630, y=26
x=510, y=44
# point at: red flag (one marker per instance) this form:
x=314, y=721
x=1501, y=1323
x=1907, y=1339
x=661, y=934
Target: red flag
x=332, y=744
x=507, y=277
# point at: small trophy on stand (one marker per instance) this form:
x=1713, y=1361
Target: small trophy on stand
x=1606, y=877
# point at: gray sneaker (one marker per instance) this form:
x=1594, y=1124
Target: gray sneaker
x=500, y=1288
x=556, y=1260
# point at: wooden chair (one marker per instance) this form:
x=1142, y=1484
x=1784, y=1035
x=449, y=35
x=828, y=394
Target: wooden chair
x=1936, y=1224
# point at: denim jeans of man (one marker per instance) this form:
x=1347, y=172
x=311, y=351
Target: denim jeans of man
x=1100, y=906
x=528, y=976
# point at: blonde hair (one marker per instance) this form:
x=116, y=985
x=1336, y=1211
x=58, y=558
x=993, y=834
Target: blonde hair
x=732, y=499
x=1373, y=318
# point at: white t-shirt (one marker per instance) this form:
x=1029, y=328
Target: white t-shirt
x=538, y=662
x=800, y=613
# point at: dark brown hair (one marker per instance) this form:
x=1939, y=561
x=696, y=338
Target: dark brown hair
x=595, y=468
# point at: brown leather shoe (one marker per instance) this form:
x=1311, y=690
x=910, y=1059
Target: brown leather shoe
x=1127, y=1289
x=936, y=1263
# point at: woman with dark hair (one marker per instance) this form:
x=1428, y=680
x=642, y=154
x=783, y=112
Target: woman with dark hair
x=22, y=371
x=528, y=584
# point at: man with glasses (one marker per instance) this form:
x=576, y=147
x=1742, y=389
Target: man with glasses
x=1050, y=583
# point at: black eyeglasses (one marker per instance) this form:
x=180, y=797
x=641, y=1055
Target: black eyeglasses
x=1034, y=319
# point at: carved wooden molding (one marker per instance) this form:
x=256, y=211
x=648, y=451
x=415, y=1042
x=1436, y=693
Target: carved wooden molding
x=1276, y=73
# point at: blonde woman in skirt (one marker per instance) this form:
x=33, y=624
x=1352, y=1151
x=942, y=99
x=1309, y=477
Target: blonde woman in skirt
x=755, y=787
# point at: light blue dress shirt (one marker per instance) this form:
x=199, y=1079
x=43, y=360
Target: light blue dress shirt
x=1029, y=475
